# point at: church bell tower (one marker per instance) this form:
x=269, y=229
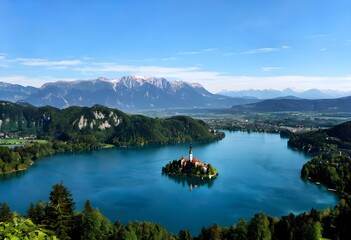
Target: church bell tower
x=191, y=153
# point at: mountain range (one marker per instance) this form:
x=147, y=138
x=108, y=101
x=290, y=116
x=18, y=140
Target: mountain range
x=126, y=93
x=271, y=93
x=298, y=105
x=131, y=93
x=15, y=92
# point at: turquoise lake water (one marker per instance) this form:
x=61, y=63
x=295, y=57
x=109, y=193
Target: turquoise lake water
x=257, y=172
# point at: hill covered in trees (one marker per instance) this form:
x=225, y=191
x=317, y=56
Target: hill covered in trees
x=324, y=140
x=331, y=164
x=105, y=124
x=296, y=105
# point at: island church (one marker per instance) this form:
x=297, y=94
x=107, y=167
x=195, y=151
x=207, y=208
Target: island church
x=194, y=160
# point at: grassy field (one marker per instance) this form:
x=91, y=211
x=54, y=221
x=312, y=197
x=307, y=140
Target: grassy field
x=16, y=141
x=108, y=146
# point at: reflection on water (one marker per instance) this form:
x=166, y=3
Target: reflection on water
x=190, y=182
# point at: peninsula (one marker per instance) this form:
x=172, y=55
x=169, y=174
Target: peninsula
x=190, y=167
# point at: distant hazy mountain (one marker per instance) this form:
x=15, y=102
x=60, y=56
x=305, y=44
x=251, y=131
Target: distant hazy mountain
x=300, y=105
x=270, y=93
x=15, y=92
x=129, y=92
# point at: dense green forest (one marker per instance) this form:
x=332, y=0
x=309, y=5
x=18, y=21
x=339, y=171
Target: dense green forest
x=83, y=128
x=331, y=164
x=105, y=124
x=57, y=219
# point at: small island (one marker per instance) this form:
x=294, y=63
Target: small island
x=190, y=167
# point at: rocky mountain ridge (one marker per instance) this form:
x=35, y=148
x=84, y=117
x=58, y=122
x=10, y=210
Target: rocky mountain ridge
x=128, y=93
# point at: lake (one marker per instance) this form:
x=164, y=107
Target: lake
x=257, y=172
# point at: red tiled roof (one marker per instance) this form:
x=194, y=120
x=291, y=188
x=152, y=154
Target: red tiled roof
x=196, y=160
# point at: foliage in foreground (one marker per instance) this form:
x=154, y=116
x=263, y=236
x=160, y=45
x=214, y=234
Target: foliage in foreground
x=56, y=219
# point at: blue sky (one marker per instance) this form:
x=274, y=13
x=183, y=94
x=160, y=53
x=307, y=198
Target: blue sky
x=231, y=45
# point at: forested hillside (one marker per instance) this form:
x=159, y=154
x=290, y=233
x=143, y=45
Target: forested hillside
x=296, y=105
x=105, y=124
x=331, y=164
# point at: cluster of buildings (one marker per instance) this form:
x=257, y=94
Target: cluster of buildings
x=196, y=161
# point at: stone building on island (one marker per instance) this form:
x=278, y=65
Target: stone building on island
x=196, y=161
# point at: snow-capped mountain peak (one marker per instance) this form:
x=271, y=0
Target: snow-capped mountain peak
x=133, y=91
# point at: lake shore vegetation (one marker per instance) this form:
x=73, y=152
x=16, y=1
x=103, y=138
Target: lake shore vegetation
x=331, y=164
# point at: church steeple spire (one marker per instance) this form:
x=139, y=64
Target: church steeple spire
x=190, y=153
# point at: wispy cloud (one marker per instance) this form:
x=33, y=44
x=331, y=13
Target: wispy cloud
x=230, y=53
x=139, y=70
x=322, y=49
x=205, y=50
x=3, y=61
x=269, y=69
x=261, y=50
x=31, y=81
x=258, y=50
x=188, y=53
x=38, y=62
x=209, y=49
x=169, y=59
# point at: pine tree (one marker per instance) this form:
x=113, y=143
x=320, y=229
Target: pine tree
x=60, y=211
x=259, y=227
x=94, y=224
x=5, y=213
x=36, y=212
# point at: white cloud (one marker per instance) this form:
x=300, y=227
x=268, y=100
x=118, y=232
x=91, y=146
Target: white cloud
x=261, y=50
x=31, y=81
x=258, y=50
x=140, y=70
x=269, y=69
x=169, y=59
x=188, y=53
x=3, y=61
x=322, y=49
x=205, y=50
x=38, y=62
x=209, y=49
